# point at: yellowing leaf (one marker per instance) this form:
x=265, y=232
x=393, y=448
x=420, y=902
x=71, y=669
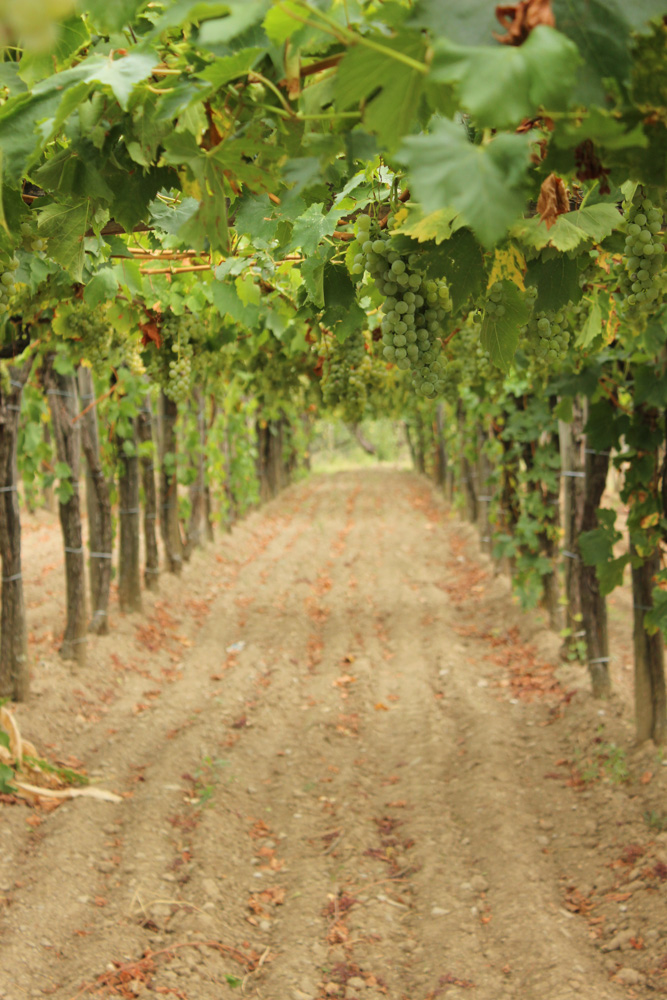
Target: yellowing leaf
x=509, y=264
x=434, y=226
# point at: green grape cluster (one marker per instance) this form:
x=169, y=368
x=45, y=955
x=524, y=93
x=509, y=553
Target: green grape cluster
x=89, y=333
x=475, y=366
x=7, y=282
x=414, y=308
x=133, y=359
x=452, y=379
x=494, y=305
x=179, y=384
x=484, y=367
x=345, y=374
x=172, y=366
x=274, y=373
x=641, y=272
x=547, y=336
x=31, y=241
x=553, y=336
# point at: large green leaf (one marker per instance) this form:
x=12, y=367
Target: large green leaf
x=6, y=777
x=111, y=16
x=485, y=183
x=460, y=260
x=230, y=67
x=121, y=75
x=53, y=99
x=571, y=229
x=592, y=328
x=226, y=300
x=64, y=227
x=602, y=31
x=313, y=226
x=557, y=282
x=241, y=15
x=103, y=287
x=597, y=549
x=500, y=334
x=656, y=619
x=500, y=86
x=384, y=88
x=470, y=22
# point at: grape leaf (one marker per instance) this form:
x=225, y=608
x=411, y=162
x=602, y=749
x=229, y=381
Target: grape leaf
x=500, y=334
x=121, y=75
x=571, y=229
x=470, y=22
x=592, y=328
x=461, y=262
x=6, y=776
x=484, y=183
x=109, y=17
x=437, y=226
x=387, y=90
x=228, y=68
x=602, y=31
x=102, y=287
x=241, y=15
x=313, y=226
x=226, y=300
x=597, y=549
x=312, y=272
x=345, y=322
x=556, y=280
x=501, y=86
x=656, y=619
x=64, y=226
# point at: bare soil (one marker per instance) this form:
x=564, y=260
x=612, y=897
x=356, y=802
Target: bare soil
x=351, y=767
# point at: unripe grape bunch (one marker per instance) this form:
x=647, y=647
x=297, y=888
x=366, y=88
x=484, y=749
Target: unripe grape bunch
x=641, y=273
x=414, y=308
x=344, y=376
x=32, y=243
x=7, y=282
x=89, y=333
x=546, y=336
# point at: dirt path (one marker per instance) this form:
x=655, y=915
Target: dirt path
x=345, y=774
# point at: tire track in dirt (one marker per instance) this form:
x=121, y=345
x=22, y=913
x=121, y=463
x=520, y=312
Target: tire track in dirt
x=347, y=806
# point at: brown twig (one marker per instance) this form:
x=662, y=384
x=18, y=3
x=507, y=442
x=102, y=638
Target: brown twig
x=608, y=392
x=115, y=229
x=96, y=401
x=176, y=270
x=323, y=64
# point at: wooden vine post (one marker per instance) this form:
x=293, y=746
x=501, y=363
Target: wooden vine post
x=571, y=438
x=147, y=446
x=62, y=395
x=129, y=513
x=14, y=668
x=193, y=535
x=98, y=505
x=649, y=650
x=169, y=523
x=593, y=604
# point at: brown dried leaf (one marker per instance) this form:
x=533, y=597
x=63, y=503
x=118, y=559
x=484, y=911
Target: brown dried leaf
x=553, y=200
x=519, y=19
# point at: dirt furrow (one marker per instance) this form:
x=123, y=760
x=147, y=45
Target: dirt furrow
x=333, y=780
